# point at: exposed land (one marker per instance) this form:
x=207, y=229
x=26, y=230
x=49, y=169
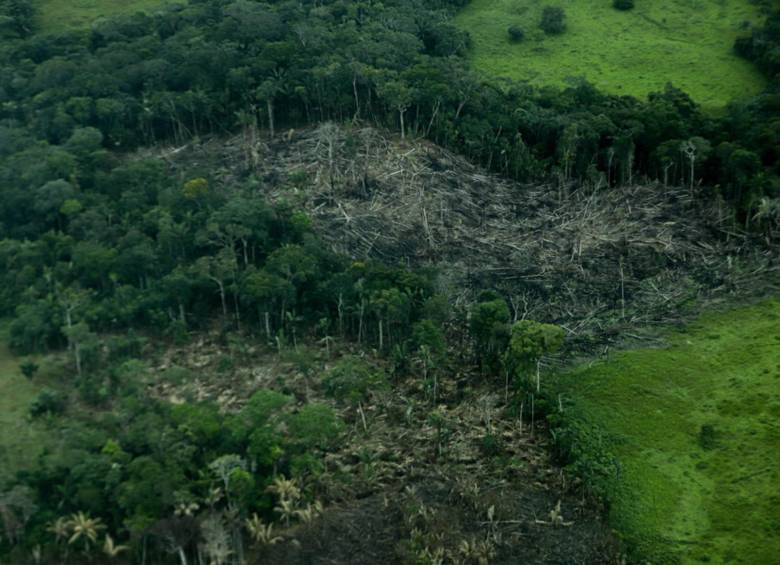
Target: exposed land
x=696, y=436
x=685, y=42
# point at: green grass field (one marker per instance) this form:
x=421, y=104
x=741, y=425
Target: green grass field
x=59, y=15
x=20, y=440
x=685, y=42
x=687, y=495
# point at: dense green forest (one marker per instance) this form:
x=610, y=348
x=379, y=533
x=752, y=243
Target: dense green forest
x=109, y=255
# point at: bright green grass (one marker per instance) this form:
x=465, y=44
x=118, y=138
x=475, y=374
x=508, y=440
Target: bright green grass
x=61, y=15
x=20, y=440
x=685, y=42
x=677, y=501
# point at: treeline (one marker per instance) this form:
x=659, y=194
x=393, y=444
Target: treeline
x=213, y=67
x=125, y=245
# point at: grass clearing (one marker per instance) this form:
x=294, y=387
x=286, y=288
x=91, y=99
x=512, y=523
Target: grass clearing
x=21, y=440
x=685, y=42
x=63, y=15
x=698, y=428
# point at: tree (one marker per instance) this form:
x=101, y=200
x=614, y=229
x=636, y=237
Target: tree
x=553, y=20
x=84, y=528
x=529, y=342
x=80, y=338
x=398, y=95
x=489, y=325
x=428, y=339
x=219, y=269
x=352, y=380
x=623, y=5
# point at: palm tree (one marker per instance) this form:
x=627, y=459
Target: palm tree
x=285, y=489
x=112, y=550
x=286, y=509
x=308, y=514
x=84, y=528
x=60, y=528
x=261, y=532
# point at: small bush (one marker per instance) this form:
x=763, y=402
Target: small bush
x=29, y=369
x=176, y=375
x=490, y=445
x=553, y=20
x=225, y=364
x=708, y=437
x=125, y=346
x=353, y=380
x=92, y=390
x=516, y=34
x=315, y=425
x=623, y=4
x=48, y=402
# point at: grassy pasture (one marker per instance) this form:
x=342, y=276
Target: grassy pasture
x=697, y=437
x=20, y=439
x=62, y=15
x=685, y=42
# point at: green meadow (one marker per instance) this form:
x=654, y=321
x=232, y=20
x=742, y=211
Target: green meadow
x=696, y=429
x=685, y=42
x=62, y=15
x=20, y=439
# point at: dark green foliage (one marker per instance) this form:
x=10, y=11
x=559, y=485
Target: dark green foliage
x=516, y=34
x=490, y=329
x=553, y=20
x=586, y=451
x=48, y=402
x=314, y=426
x=708, y=437
x=761, y=45
x=352, y=380
x=428, y=335
x=529, y=341
x=16, y=18
x=623, y=5
x=491, y=445
x=29, y=369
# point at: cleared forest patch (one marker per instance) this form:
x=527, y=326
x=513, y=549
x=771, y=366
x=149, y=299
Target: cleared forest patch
x=606, y=264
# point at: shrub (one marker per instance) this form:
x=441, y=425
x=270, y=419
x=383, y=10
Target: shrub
x=490, y=445
x=29, y=368
x=516, y=34
x=48, y=402
x=315, y=425
x=553, y=20
x=708, y=437
x=225, y=364
x=352, y=380
x=623, y=4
